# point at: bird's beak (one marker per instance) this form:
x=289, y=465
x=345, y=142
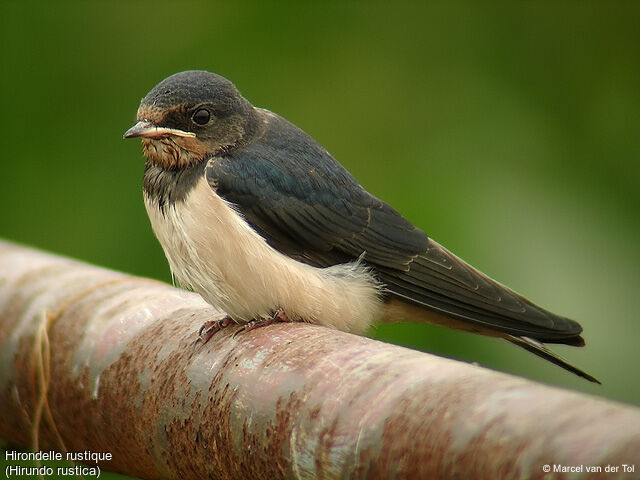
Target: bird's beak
x=147, y=129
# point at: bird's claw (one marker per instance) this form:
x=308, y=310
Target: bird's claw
x=279, y=316
x=210, y=328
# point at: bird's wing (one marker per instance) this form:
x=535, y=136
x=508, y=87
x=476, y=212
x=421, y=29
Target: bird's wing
x=306, y=205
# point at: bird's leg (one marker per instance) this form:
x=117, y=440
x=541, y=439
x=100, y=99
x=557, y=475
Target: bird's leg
x=210, y=328
x=278, y=316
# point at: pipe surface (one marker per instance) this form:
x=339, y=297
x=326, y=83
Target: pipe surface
x=92, y=359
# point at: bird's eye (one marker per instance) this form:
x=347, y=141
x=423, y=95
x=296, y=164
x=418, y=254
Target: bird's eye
x=202, y=116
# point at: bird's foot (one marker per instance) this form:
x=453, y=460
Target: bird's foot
x=210, y=328
x=279, y=316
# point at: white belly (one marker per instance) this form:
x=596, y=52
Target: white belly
x=213, y=251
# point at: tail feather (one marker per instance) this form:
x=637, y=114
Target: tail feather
x=539, y=349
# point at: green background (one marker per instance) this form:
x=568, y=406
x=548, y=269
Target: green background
x=509, y=133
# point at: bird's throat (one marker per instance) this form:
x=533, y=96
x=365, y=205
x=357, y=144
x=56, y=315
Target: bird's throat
x=172, y=153
x=166, y=186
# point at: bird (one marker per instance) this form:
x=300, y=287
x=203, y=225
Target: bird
x=261, y=221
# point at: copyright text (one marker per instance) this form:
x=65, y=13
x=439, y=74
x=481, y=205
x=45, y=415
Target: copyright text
x=559, y=468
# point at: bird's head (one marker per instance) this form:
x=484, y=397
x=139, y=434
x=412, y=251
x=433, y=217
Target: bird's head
x=191, y=116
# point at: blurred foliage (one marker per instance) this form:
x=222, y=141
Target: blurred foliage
x=507, y=131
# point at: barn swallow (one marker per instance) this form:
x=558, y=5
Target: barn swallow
x=264, y=223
